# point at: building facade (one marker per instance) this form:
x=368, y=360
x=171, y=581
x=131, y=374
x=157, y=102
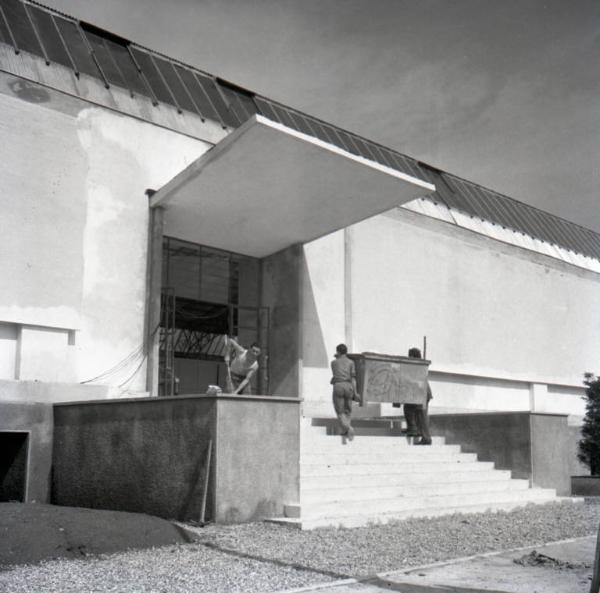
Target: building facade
x=260, y=222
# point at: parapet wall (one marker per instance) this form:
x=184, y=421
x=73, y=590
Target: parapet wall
x=150, y=455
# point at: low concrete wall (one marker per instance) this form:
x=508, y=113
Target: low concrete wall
x=533, y=446
x=149, y=455
x=35, y=419
x=503, y=438
x=585, y=485
x=258, y=457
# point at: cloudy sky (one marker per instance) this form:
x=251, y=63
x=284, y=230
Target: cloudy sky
x=505, y=93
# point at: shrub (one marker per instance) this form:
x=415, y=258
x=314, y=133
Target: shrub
x=589, y=445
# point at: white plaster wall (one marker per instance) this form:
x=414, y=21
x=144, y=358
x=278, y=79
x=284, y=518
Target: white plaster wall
x=323, y=312
x=459, y=393
x=74, y=227
x=8, y=350
x=486, y=308
x=497, y=318
x=44, y=354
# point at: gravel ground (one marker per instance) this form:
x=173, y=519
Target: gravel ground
x=263, y=557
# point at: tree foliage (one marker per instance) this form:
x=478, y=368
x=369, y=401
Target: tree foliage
x=589, y=445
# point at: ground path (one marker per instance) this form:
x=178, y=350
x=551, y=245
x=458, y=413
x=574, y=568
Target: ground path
x=263, y=558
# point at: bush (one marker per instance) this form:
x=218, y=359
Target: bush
x=589, y=445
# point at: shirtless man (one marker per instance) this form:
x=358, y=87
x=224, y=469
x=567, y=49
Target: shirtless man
x=243, y=366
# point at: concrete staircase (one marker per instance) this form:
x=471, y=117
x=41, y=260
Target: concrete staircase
x=381, y=476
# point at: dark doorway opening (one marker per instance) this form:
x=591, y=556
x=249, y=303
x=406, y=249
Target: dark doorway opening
x=13, y=466
x=208, y=294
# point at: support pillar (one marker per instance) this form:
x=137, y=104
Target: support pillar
x=538, y=393
x=153, y=297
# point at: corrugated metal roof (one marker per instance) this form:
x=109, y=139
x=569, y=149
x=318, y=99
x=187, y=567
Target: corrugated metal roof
x=32, y=27
x=486, y=204
x=29, y=26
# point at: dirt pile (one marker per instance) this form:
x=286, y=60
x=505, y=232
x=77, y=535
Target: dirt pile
x=30, y=533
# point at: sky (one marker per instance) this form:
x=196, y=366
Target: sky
x=504, y=93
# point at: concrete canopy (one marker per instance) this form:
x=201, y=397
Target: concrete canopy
x=266, y=187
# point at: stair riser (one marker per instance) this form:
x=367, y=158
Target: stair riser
x=358, y=447
x=379, y=440
x=404, y=468
x=384, y=506
x=361, y=520
x=421, y=454
x=381, y=476
x=356, y=481
x=365, y=494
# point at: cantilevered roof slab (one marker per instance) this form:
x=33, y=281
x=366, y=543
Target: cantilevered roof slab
x=266, y=187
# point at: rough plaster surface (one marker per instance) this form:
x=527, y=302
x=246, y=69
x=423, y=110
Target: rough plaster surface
x=75, y=228
x=145, y=456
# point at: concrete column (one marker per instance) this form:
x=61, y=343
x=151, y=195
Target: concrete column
x=538, y=392
x=153, y=297
x=281, y=291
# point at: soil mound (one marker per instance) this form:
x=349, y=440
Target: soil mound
x=30, y=533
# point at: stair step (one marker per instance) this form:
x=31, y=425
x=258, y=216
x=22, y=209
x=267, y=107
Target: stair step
x=368, y=493
x=292, y=511
x=407, y=467
x=425, y=454
x=381, y=476
x=363, y=434
x=418, y=479
x=369, y=443
x=361, y=520
x=421, y=501
x=378, y=445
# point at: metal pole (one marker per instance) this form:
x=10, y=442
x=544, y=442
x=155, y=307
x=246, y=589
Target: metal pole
x=206, y=478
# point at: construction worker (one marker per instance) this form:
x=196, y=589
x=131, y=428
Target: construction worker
x=243, y=366
x=344, y=388
x=417, y=415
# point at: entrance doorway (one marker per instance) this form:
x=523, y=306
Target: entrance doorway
x=13, y=465
x=207, y=294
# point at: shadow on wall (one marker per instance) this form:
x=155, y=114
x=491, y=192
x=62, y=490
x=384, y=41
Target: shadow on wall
x=264, y=508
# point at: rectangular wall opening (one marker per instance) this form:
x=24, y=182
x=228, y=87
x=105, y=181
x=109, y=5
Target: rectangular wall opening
x=13, y=466
x=207, y=293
